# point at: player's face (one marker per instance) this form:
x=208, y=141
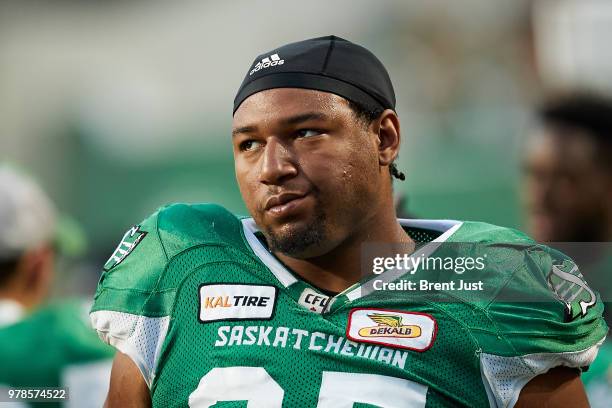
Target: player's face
x=566, y=191
x=307, y=168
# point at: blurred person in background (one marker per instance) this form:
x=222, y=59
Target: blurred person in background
x=568, y=198
x=42, y=345
x=569, y=171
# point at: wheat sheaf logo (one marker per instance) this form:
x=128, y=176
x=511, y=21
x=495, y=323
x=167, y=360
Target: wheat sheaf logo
x=128, y=243
x=569, y=285
x=389, y=326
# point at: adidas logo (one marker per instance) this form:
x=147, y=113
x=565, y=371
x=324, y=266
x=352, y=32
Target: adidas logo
x=267, y=62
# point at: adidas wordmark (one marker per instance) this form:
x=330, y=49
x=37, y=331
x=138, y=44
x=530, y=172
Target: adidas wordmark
x=273, y=60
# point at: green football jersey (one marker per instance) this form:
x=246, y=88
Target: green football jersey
x=211, y=318
x=56, y=347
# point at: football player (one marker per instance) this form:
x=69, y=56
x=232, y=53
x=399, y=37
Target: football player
x=208, y=308
x=42, y=344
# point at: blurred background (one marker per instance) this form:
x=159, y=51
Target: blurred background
x=119, y=107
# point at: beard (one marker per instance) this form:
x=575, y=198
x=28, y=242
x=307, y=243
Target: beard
x=297, y=241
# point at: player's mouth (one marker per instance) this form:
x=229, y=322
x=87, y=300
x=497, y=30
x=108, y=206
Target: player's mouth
x=285, y=204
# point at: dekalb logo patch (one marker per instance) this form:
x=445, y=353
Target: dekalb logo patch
x=409, y=330
x=389, y=326
x=236, y=302
x=314, y=301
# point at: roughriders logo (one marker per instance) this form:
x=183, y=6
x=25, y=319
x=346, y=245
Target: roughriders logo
x=272, y=61
x=570, y=287
x=128, y=243
x=389, y=326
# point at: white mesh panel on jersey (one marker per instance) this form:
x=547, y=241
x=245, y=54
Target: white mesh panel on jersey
x=505, y=377
x=137, y=336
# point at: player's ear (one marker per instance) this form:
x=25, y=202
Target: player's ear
x=388, y=129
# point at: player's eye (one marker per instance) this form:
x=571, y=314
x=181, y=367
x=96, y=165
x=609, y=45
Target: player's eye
x=305, y=133
x=248, y=145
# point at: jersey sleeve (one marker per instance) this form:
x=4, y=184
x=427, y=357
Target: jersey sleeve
x=130, y=312
x=545, y=315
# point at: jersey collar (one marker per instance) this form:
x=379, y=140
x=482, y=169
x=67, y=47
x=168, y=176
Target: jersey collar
x=286, y=278
x=281, y=273
x=446, y=227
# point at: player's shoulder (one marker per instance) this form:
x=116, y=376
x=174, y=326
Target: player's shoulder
x=135, y=268
x=175, y=228
x=537, y=292
x=512, y=254
x=520, y=271
x=145, y=251
x=181, y=225
x=182, y=215
x=491, y=234
x=508, y=250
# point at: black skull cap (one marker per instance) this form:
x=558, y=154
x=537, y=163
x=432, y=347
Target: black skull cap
x=329, y=64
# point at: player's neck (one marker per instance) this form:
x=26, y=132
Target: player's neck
x=340, y=268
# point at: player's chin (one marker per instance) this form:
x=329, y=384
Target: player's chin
x=289, y=227
x=298, y=239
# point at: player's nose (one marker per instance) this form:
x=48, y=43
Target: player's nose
x=277, y=164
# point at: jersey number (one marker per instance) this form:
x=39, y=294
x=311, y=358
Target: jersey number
x=338, y=389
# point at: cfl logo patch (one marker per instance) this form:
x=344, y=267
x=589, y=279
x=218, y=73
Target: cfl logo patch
x=271, y=61
x=314, y=301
